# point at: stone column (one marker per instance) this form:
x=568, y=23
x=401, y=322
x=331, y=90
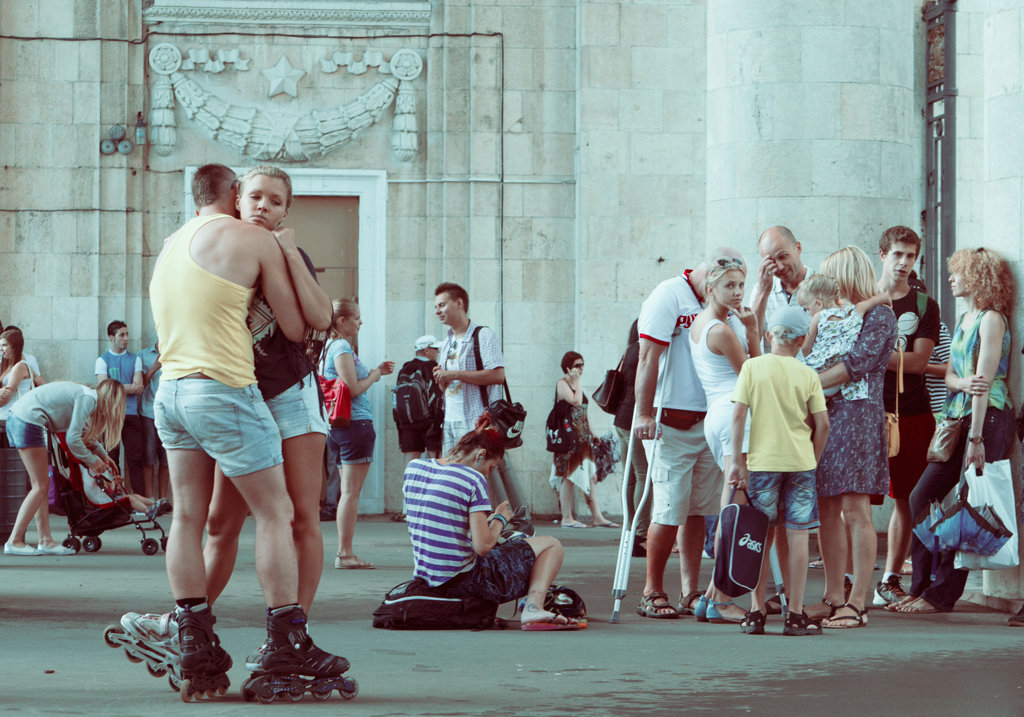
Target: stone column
x=812, y=122
x=1004, y=196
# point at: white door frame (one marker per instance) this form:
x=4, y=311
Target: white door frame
x=371, y=188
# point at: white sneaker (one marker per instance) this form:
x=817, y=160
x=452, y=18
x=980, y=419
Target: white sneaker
x=20, y=549
x=55, y=550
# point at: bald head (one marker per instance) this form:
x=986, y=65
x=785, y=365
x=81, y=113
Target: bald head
x=778, y=246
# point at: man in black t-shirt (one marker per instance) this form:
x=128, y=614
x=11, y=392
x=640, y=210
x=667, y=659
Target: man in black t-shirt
x=917, y=326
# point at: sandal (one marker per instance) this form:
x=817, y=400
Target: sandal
x=860, y=618
x=774, y=605
x=685, y=606
x=831, y=606
x=650, y=607
x=352, y=562
x=799, y=625
x=753, y=623
x=716, y=617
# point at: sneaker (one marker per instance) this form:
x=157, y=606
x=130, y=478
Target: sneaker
x=55, y=549
x=20, y=549
x=889, y=592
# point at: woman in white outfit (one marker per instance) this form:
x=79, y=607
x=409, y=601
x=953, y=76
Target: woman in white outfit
x=723, y=335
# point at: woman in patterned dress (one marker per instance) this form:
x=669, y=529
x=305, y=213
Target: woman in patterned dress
x=570, y=471
x=855, y=464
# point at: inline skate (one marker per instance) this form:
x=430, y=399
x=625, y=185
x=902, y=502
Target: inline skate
x=204, y=663
x=288, y=664
x=152, y=639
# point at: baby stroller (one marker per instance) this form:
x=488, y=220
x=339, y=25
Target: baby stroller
x=92, y=505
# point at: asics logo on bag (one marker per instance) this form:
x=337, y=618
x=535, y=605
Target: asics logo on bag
x=515, y=429
x=750, y=544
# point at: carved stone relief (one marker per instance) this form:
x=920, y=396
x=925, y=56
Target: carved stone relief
x=269, y=133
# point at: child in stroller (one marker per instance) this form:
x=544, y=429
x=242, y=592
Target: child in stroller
x=92, y=421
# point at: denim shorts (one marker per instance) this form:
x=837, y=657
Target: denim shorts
x=798, y=492
x=156, y=454
x=24, y=435
x=353, y=444
x=231, y=425
x=501, y=575
x=298, y=410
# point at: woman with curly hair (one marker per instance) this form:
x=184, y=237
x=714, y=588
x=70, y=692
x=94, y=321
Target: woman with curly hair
x=979, y=359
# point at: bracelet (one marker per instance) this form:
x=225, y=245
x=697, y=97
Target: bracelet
x=498, y=516
x=977, y=440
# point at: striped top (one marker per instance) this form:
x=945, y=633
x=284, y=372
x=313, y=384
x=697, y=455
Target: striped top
x=937, y=390
x=439, y=499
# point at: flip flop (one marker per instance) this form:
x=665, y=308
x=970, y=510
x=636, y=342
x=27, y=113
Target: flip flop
x=352, y=562
x=609, y=524
x=548, y=625
x=575, y=525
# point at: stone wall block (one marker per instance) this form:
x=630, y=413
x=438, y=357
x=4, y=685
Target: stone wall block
x=519, y=155
x=896, y=61
x=600, y=109
x=901, y=174
x=558, y=113
x=841, y=168
x=8, y=233
x=1004, y=121
x=730, y=222
x=863, y=219
x=555, y=70
x=33, y=315
x=112, y=273
x=549, y=200
x=641, y=110
x=55, y=19
x=456, y=153
x=483, y=238
x=63, y=239
x=33, y=145
x=89, y=54
x=19, y=275
x=34, y=232
x=1003, y=200
x=604, y=152
x=19, y=102
x=549, y=281
x=20, y=18
x=600, y=22
x=555, y=154
x=553, y=238
x=35, y=60
x=514, y=118
x=600, y=197
x=840, y=54
x=643, y=25
x=605, y=67
x=519, y=68
x=773, y=169
x=665, y=68
x=814, y=221
x=808, y=111
x=604, y=237
x=876, y=112
x=456, y=238
x=759, y=56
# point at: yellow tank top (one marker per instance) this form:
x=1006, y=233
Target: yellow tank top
x=199, y=316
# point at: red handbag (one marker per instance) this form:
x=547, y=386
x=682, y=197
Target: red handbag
x=338, y=400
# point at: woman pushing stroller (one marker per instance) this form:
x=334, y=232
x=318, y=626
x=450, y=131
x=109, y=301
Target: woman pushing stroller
x=91, y=419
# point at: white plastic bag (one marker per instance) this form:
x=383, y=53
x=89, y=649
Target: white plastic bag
x=994, y=487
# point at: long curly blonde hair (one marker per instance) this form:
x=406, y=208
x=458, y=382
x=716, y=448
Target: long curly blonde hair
x=987, y=277
x=107, y=418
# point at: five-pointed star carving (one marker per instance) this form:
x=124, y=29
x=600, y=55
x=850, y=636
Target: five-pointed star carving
x=283, y=78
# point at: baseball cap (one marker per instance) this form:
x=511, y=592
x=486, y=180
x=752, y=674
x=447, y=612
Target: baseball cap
x=426, y=342
x=795, y=320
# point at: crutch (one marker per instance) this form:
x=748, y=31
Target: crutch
x=628, y=534
x=780, y=587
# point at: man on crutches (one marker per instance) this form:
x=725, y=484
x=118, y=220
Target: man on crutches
x=686, y=483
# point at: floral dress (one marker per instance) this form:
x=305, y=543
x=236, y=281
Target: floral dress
x=856, y=456
x=834, y=340
x=567, y=464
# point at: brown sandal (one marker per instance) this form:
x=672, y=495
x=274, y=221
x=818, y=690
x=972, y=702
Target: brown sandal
x=352, y=562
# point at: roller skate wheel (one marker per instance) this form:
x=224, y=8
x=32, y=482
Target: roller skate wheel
x=108, y=634
x=267, y=699
x=156, y=671
x=131, y=657
x=186, y=691
x=350, y=690
x=322, y=694
x=295, y=694
x=174, y=685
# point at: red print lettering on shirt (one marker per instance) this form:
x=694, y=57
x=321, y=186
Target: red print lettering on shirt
x=685, y=321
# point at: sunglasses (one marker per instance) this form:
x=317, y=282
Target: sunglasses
x=734, y=261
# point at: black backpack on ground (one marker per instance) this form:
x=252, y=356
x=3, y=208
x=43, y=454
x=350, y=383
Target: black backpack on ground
x=414, y=605
x=412, y=399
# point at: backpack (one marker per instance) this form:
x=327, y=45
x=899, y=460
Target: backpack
x=412, y=399
x=414, y=605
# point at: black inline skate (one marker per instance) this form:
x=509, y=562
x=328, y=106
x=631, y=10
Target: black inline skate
x=204, y=663
x=289, y=664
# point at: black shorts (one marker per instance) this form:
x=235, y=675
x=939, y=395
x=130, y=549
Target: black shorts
x=501, y=575
x=416, y=439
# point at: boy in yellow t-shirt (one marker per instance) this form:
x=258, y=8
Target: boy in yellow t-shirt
x=788, y=430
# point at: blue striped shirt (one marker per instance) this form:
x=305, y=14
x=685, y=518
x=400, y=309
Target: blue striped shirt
x=438, y=500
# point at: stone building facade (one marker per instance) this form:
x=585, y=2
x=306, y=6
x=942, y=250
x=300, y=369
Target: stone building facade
x=557, y=158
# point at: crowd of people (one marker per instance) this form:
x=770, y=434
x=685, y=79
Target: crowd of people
x=869, y=343
x=781, y=403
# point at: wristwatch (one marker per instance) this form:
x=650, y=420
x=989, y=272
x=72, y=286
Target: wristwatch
x=978, y=440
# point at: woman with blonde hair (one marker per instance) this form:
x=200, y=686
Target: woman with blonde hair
x=92, y=420
x=351, y=448
x=855, y=463
x=979, y=360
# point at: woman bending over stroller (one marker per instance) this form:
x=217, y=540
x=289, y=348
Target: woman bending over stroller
x=455, y=536
x=91, y=419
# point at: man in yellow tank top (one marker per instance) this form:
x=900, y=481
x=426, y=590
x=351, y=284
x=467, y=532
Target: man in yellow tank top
x=208, y=411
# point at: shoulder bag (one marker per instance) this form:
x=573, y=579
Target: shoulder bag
x=508, y=417
x=608, y=396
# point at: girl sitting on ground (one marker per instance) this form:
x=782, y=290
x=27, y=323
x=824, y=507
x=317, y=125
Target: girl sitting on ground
x=455, y=535
x=834, y=328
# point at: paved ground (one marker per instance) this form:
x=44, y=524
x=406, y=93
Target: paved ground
x=53, y=659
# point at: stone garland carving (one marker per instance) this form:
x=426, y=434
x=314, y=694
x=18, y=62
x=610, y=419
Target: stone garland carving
x=274, y=136
x=200, y=58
